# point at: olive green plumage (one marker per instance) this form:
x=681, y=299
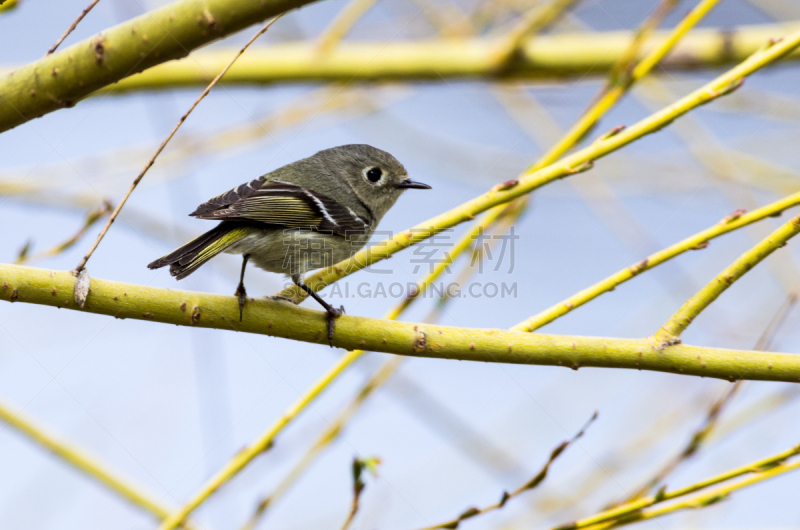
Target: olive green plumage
x=305, y=215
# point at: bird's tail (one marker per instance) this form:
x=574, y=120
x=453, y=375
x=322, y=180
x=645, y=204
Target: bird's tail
x=187, y=259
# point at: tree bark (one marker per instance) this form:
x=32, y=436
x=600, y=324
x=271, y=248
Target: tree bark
x=62, y=79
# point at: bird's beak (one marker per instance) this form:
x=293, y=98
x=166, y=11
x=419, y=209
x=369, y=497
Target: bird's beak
x=408, y=183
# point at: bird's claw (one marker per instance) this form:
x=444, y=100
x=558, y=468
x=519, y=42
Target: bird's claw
x=241, y=294
x=332, y=315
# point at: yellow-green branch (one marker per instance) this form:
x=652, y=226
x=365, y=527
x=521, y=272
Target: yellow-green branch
x=533, y=22
x=343, y=23
x=706, y=498
x=670, y=332
x=579, y=161
x=733, y=222
x=760, y=470
x=548, y=56
x=8, y=5
x=92, y=217
x=83, y=461
x=284, y=319
x=679, y=34
x=62, y=79
x=330, y=433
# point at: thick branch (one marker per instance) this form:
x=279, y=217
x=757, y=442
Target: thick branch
x=62, y=79
x=284, y=319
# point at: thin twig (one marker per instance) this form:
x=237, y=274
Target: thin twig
x=630, y=512
x=92, y=217
x=621, y=72
x=724, y=428
x=115, y=164
x=343, y=23
x=610, y=98
x=768, y=336
x=359, y=466
x=700, y=436
x=327, y=437
x=446, y=17
x=695, y=442
x=707, y=498
x=670, y=332
x=152, y=160
x=71, y=27
x=533, y=21
x=621, y=78
x=506, y=496
x=83, y=461
x=699, y=240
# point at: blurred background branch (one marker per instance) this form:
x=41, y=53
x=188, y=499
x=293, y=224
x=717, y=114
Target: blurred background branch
x=84, y=462
x=561, y=56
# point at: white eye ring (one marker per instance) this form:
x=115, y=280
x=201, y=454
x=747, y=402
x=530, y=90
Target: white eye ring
x=373, y=174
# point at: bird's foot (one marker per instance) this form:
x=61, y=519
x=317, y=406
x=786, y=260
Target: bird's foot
x=332, y=315
x=241, y=294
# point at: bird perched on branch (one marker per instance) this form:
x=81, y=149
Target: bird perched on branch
x=303, y=216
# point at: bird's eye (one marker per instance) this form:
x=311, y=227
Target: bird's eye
x=374, y=174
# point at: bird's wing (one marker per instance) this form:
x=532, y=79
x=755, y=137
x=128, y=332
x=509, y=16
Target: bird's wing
x=283, y=204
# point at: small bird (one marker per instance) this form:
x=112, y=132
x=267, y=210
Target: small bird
x=303, y=216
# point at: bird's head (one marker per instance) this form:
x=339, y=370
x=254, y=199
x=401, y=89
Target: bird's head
x=374, y=176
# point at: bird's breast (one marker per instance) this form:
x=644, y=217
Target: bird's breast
x=297, y=251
